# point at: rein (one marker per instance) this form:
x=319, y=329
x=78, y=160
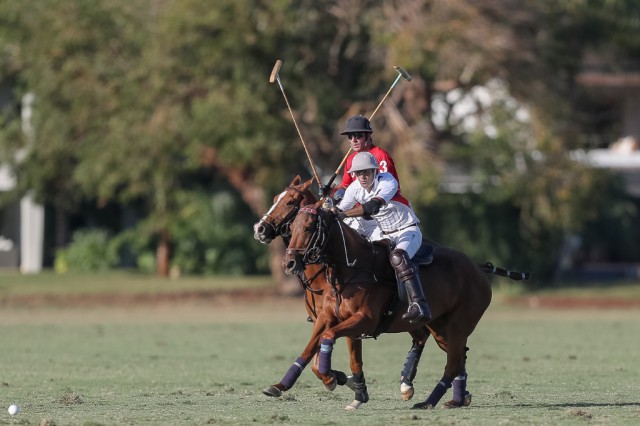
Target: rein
x=305, y=283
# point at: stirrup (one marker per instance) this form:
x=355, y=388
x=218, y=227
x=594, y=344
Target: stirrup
x=412, y=316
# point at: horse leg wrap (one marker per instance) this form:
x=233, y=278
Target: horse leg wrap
x=341, y=377
x=411, y=364
x=460, y=388
x=324, y=358
x=358, y=384
x=438, y=392
x=294, y=372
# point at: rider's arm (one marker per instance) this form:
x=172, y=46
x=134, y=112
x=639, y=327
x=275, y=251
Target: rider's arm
x=387, y=187
x=368, y=208
x=349, y=198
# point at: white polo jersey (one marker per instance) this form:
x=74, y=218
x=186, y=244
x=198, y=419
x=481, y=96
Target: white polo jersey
x=395, y=214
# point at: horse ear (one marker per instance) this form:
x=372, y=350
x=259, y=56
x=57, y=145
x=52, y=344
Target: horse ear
x=296, y=180
x=318, y=204
x=307, y=184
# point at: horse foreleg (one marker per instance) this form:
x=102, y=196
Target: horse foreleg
x=354, y=346
x=356, y=381
x=296, y=368
x=345, y=328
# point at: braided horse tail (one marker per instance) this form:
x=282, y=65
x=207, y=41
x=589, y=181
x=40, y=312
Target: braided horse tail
x=489, y=268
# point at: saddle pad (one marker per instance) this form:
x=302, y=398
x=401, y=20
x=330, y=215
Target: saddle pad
x=424, y=255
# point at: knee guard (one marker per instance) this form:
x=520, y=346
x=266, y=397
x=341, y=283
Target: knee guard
x=403, y=266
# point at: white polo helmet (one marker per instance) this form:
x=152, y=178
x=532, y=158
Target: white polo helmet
x=363, y=161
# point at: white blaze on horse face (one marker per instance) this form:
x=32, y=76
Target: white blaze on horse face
x=266, y=215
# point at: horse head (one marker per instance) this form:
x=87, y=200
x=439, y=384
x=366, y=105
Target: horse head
x=309, y=236
x=276, y=221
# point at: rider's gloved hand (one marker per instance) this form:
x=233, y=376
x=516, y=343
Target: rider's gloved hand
x=328, y=204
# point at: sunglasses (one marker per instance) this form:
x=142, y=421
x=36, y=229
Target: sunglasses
x=357, y=135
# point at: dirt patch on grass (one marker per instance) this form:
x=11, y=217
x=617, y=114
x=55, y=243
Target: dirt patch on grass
x=270, y=295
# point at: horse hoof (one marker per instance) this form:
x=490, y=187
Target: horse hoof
x=406, y=391
x=455, y=404
x=354, y=405
x=422, y=406
x=331, y=386
x=272, y=391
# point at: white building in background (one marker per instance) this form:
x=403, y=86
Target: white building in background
x=21, y=223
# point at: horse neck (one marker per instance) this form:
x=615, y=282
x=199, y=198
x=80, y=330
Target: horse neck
x=350, y=254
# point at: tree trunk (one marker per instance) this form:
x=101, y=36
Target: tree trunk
x=163, y=255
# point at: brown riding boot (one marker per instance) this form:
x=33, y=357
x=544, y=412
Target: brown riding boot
x=406, y=272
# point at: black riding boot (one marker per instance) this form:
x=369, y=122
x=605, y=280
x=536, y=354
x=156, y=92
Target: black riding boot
x=407, y=273
x=418, y=308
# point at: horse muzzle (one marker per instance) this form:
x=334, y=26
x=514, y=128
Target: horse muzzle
x=263, y=232
x=292, y=263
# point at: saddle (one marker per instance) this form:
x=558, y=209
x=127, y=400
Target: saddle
x=423, y=257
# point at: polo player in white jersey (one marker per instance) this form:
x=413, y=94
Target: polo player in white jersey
x=375, y=195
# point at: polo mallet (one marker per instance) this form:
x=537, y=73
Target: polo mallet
x=276, y=77
x=401, y=73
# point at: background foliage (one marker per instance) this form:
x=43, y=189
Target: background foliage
x=163, y=109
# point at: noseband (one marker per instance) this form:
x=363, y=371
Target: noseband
x=313, y=253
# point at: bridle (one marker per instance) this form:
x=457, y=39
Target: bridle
x=313, y=252
x=283, y=228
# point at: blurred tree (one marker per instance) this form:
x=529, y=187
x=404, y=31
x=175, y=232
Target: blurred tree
x=135, y=99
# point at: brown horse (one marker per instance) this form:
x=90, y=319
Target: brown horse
x=276, y=223
x=362, y=286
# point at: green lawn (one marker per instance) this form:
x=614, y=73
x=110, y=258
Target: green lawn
x=197, y=363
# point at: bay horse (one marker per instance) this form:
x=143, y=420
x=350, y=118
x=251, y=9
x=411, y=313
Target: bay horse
x=362, y=286
x=276, y=222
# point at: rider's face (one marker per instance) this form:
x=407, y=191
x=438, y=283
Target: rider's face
x=366, y=178
x=359, y=141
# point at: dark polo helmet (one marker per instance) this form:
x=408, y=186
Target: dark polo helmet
x=357, y=123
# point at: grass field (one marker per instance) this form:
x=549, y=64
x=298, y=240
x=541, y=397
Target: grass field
x=206, y=360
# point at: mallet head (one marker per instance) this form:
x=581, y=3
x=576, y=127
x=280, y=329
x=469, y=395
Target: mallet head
x=276, y=70
x=402, y=72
